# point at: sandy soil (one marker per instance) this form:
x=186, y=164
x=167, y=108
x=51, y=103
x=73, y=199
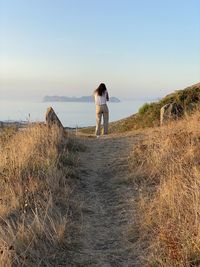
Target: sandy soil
x=107, y=203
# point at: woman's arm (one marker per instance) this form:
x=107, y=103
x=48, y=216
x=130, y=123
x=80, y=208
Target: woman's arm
x=107, y=96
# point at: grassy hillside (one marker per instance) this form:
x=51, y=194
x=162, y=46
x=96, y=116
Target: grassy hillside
x=165, y=167
x=149, y=114
x=36, y=167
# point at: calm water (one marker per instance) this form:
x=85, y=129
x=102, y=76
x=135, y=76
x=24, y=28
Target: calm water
x=70, y=114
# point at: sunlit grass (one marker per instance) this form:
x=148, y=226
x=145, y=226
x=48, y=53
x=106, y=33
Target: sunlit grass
x=166, y=169
x=36, y=166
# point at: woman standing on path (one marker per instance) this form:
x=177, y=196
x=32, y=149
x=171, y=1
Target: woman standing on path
x=101, y=97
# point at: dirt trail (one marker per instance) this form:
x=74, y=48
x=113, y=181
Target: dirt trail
x=108, y=203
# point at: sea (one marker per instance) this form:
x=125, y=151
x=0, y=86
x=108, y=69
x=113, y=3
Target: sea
x=71, y=114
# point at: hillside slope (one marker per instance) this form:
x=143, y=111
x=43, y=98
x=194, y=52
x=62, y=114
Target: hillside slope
x=149, y=114
x=151, y=178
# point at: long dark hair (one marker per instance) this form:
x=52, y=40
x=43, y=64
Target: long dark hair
x=101, y=89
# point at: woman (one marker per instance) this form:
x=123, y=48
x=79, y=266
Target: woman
x=101, y=97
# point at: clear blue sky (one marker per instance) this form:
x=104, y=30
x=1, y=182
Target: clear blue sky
x=139, y=48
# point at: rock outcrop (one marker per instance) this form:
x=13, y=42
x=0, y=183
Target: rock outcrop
x=169, y=112
x=52, y=119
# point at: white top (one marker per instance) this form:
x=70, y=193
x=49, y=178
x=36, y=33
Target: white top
x=100, y=100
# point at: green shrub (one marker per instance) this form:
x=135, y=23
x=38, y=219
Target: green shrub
x=144, y=108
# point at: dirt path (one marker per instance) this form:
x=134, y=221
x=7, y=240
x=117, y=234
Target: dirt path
x=108, y=203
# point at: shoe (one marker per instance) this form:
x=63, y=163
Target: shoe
x=97, y=136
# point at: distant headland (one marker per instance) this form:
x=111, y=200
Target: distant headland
x=75, y=99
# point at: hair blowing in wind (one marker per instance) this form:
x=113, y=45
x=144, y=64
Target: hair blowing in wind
x=101, y=89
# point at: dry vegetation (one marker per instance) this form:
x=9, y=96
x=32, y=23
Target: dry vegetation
x=38, y=210
x=36, y=167
x=167, y=170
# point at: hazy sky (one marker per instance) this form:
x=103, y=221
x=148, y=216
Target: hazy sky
x=139, y=48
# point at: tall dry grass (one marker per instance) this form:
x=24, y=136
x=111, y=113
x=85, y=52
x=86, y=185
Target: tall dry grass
x=166, y=168
x=35, y=189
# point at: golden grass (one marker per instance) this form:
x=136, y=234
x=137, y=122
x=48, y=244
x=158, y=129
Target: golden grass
x=35, y=169
x=166, y=168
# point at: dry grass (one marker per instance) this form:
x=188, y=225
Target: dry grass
x=167, y=170
x=35, y=170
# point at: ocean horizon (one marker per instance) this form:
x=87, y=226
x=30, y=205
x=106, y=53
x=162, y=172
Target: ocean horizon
x=71, y=114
